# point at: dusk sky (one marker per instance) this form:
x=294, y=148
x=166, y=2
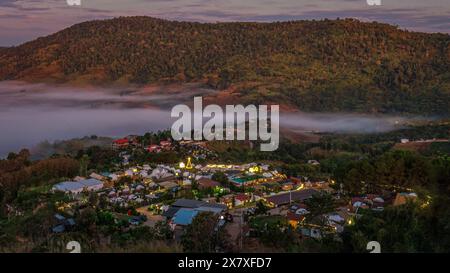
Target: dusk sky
x=24, y=20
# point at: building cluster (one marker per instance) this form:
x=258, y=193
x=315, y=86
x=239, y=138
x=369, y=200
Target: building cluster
x=177, y=193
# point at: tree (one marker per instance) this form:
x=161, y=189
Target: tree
x=163, y=231
x=320, y=204
x=397, y=229
x=84, y=162
x=87, y=220
x=261, y=208
x=221, y=178
x=204, y=235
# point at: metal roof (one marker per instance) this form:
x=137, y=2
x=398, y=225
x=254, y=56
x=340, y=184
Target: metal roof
x=209, y=209
x=76, y=186
x=184, y=216
x=294, y=196
x=170, y=213
x=188, y=203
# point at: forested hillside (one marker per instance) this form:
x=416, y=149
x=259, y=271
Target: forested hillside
x=329, y=65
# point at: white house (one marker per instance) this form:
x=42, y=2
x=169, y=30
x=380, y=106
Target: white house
x=160, y=173
x=75, y=187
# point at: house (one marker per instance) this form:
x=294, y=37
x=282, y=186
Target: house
x=322, y=186
x=121, y=143
x=227, y=200
x=97, y=176
x=210, y=199
x=336, y=221
x=92, y=184
x=213, y=209
x=133, y=139
x=58, y=229
x=289, y=197
x=287, y=186
x=192, y=204
x=313, y=232
x=79, y=178
x=114, y=177
x=404, y=197
x=153, y=148
x=63, y=223
x=296, y=180
x=77, y=187
x=165, y=144
x=187, y=203
x=294, y=219
x=241, y=199
x=144, y=174
x=319, y=226
x=313, y=162
x=206, y=183
x=184, y=217
x=160, y=173
x=168, y=185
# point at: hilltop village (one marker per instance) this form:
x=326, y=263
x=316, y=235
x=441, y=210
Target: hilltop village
x=149, y=193
x=240, y=199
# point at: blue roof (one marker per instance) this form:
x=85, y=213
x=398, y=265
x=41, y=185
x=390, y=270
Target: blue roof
x=184, y=216
x=58, y=229
x=71, y=222
x=59, y=217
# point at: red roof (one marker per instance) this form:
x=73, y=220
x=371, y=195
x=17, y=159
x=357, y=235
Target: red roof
x=121, y=141
x=242, y=197
x=152, y=147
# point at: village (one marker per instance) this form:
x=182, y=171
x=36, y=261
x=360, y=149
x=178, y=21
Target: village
x=241, y=196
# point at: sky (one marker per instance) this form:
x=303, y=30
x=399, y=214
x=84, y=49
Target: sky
x=25, y=20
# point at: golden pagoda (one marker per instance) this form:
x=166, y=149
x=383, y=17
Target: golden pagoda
x=189, y=164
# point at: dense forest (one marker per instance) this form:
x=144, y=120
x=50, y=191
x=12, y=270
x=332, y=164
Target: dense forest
x=327, y=65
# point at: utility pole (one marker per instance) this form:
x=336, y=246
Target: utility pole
x=241, y=229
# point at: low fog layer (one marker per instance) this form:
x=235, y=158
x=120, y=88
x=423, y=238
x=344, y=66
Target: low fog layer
x=32, y=113
x=342, y=123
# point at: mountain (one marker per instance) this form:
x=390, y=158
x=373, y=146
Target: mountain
x=327, y=65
